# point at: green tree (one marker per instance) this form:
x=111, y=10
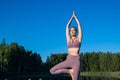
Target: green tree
x=115, y=62
x=84, y=61
x=102, y=61
x=3, y=56
x=94, y=63
x=56, y=58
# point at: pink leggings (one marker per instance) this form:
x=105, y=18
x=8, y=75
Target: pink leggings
x=71, y=62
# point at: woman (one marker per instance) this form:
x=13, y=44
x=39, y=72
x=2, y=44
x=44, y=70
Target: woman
x=72, y=63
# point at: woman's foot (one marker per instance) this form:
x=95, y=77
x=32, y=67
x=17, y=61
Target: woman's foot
x=71, y=73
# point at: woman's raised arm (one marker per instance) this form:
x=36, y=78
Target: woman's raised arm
x=67, y=29
x=79, y=27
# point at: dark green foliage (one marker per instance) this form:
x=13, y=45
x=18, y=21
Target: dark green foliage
x=56, y=58
x=15, y=59
x=100, y=61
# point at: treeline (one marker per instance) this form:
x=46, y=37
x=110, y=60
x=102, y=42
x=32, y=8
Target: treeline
x=99, y=61
x=15, y=59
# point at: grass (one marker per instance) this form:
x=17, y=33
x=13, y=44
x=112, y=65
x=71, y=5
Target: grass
x=102, y=74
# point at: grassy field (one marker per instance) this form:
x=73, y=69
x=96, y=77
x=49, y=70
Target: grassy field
x=102, y=74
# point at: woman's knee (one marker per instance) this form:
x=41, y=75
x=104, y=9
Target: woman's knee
x=51, y=71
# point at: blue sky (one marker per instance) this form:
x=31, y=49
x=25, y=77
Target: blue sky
x=39, y=25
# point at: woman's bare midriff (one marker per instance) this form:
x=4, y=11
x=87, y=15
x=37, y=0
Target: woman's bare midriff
x=73, y=51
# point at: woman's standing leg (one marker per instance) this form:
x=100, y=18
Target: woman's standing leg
x=75, y=67
x=76, y=72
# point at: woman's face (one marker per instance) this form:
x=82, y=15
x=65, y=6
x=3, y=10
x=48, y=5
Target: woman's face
x=73, y=31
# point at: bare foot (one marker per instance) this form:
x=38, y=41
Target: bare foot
x=71, y=73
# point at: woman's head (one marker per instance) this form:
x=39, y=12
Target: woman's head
x=73, y=31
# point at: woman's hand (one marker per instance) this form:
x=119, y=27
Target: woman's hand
x=74, y=15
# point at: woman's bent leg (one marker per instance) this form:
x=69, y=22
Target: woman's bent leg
x=60, y=68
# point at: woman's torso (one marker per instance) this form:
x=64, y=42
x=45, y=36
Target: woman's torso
x=73, y=47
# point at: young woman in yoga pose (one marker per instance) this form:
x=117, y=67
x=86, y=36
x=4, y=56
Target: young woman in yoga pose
x=72, y=63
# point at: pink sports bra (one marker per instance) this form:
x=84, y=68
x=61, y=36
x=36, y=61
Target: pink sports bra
x=74, y=44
